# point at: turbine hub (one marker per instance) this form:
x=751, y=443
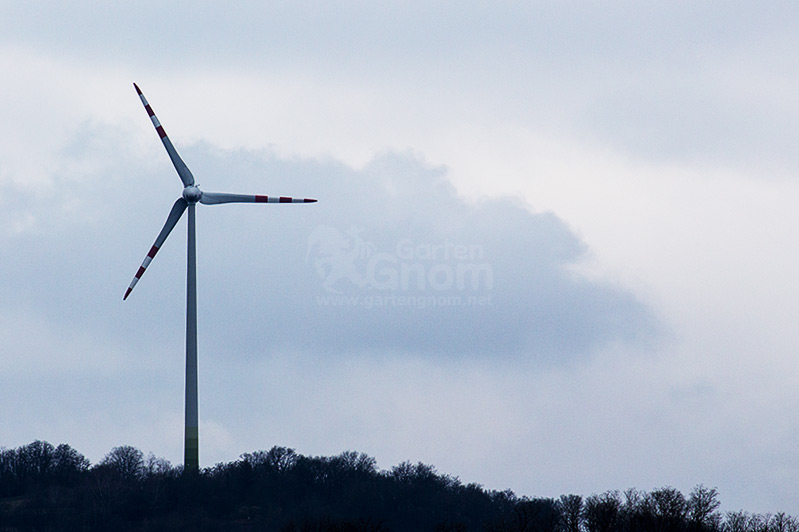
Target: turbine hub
x=192, y=194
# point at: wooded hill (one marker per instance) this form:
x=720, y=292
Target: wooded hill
x=47, y=488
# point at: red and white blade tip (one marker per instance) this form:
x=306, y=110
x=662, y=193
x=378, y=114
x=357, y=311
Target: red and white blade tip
x=282, y=199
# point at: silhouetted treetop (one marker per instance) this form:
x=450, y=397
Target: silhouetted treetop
x=56, y=488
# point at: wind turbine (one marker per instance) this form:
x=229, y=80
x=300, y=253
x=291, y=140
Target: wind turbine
x=191, y=196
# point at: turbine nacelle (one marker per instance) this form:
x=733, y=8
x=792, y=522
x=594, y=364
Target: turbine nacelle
x=192, y=194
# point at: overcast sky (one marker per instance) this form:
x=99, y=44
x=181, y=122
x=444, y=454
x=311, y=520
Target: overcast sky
x=554, y=249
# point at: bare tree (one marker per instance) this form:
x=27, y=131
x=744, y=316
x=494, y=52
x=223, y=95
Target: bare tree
x=278, y=459
x=703, y=507
x=571, y=510
x=602, y=512
x=669, y=508
x=783, y=523
x=737, y=522
x=125, y=462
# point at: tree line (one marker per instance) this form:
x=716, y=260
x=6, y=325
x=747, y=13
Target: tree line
x=46, y=488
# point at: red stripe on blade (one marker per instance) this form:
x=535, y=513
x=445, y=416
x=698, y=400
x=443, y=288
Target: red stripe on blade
x=161, y=131
x=284, y=199
x=153, y=251
x=140, y=272
x=127, y=293
x=309, y=200
x=149, y=110
x=261, y=199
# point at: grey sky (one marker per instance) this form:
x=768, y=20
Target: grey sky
x=626, y=171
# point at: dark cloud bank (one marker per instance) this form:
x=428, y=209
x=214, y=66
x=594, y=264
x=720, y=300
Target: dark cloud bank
x=390, y=260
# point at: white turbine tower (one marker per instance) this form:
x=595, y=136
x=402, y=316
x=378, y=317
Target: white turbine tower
x=191, y=195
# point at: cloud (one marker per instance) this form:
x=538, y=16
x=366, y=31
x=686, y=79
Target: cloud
x=391, y=259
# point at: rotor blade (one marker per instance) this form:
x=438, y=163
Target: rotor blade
x=171, y=220
x=180, y=166
x=215, y=198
